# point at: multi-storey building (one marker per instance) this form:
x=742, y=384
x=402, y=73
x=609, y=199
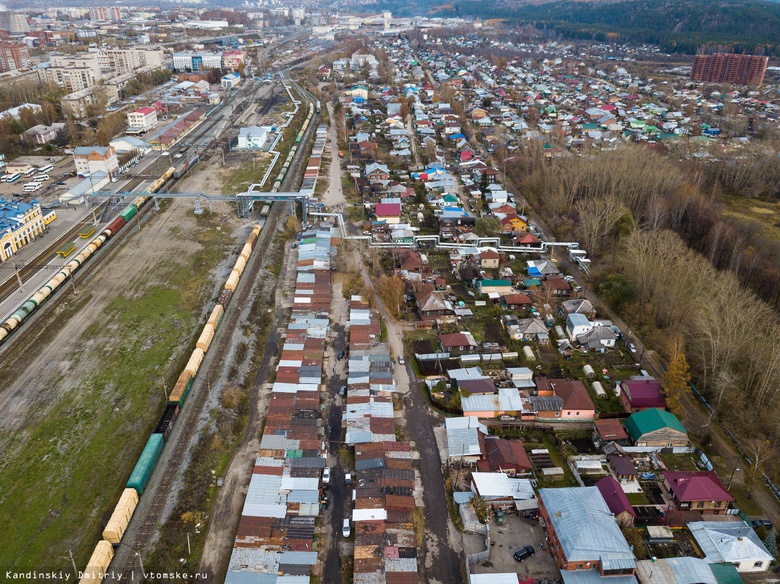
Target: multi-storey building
x=729, y=68
x=123, y=61
x=90, y=159
x=112, y=13
x=232, y=59
x=143, y=119
x=14, y=23
x=14, y=56
x=73, y=78
x=196, y=61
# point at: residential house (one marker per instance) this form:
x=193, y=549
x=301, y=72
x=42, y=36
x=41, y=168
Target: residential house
x=697, y=491
x=516, y=302
x=609, y=430
x=616, y=501
x=502, y=492
x=462, y=342
x=482, y=385
x=143, y=119
x=577, y=404
x=528, y=240
x=597, y=338
x=577, y=306
x=502, y=455
x=432, y=304
x=641, y=394
x=685, y=570
x=576, y=325
x=583, y=534
x=514, y=224
x=489, y=259
x=390, y=213
x=622, y=466
x=528, y=329
x=656, y=428
x=464, y=439
x=557, y=286
x=377, y=173
x=495, y=288
x=731, y=542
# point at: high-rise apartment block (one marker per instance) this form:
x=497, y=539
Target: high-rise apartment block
x=729, y=68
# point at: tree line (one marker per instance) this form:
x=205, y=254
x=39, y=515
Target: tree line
x=672, y=264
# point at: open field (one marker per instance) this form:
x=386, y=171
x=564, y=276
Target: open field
x=238, y=175
x=86, y=391
x=765, y=215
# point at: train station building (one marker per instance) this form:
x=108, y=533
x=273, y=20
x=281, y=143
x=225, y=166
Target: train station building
x=20, y=223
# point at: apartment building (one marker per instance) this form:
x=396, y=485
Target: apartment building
x=143, y=119
x=729, y=68
x=14, y=56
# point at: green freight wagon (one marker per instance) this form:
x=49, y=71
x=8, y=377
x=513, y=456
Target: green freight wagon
x=146, y=463
x=128, y=213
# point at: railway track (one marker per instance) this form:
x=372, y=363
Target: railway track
x=186, y=424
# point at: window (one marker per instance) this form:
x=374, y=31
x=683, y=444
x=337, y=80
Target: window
x=758, y=565
x=700, y=504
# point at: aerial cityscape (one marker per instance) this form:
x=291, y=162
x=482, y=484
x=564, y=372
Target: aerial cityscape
x=390, y=291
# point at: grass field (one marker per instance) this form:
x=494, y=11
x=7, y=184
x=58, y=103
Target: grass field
x=764, y=214
x=68, y=464
x=239, y=178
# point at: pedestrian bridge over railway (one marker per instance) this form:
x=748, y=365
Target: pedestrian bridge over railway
x=244, y=201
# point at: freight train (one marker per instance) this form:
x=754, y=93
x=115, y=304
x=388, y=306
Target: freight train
x=142, y=472
x=298, y=140
x=43, y=293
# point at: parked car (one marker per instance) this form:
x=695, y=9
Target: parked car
x=765, y=523
x=401, y=360
x=326, y=475
x=632, y=347
x=346, y=530
x=348, y=479
x=343, y=390
x=524, y=553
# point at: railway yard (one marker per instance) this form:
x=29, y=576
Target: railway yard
x=113, y=351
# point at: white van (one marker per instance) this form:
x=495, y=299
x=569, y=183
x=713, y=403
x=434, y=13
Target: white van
x=31, y=187
x=41, y=177
x=346, y=530
x=47, y=168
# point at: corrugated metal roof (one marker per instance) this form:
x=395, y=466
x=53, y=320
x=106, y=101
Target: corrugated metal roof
x=299, y=558
x=584, y=525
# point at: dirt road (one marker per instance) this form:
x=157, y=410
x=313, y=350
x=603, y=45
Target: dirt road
x=440, y=557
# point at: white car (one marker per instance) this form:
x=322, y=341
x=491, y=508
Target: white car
x=632, y=347
x=326, y=475
x=346, y=530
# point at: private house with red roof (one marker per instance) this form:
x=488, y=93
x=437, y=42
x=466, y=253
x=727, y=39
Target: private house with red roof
x=501, y=455
x=641, y=394
x=462, y=341
x=517, y=301
x=528, y=240
x=697, y=491
x=390, y=213
x=616, y=500
x=489, y=259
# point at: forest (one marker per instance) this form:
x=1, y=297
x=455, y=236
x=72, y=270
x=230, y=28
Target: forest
x=672, y=263
x=676, y=26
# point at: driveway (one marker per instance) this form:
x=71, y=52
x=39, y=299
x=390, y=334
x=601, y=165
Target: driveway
x=514, y=534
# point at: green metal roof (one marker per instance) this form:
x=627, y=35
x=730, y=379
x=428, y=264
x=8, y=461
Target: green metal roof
x=641, y=423
x=484, y=283
x=726, y=573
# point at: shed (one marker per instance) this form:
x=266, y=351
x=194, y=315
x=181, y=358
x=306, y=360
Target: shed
x=528, y=353
x=589, y=372
x=656, y=427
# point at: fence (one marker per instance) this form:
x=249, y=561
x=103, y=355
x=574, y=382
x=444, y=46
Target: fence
x=478, y=557
x=470, y=521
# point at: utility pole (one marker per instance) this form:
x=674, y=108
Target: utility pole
x=18, y=276
x=72, y=561
x=141, y=562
